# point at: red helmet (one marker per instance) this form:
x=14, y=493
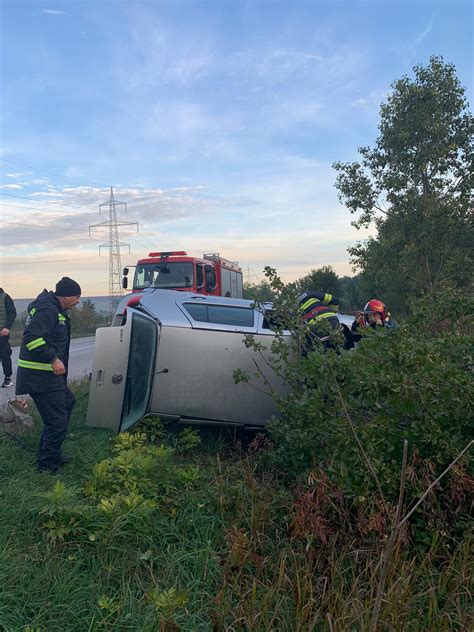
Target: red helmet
x=373, y=307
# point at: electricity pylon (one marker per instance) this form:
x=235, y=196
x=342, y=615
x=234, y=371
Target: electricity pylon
x=114, y=245
x=249, y=275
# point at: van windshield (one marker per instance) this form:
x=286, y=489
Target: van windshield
x=165, y=275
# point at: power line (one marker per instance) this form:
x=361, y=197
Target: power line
x=55, y=173
x=26, y=263
x=154, y=236
x=34, y=208
x=73, y=230
x=22, y=197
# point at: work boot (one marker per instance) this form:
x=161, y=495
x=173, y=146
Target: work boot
x=48, y=470
x=7, y=382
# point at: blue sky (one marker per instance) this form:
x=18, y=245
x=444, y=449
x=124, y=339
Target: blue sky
x=217, y=123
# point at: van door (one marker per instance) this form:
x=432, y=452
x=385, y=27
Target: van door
x=122, y=376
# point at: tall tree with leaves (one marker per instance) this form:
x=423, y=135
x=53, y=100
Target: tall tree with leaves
x=260, y=292
x=415, y=186
x=324, y=279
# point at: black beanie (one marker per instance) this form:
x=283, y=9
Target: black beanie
x=67, y=287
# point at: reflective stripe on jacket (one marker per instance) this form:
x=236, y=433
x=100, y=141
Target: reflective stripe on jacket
x=46, y=337
x=317, y=306
x=318, y=313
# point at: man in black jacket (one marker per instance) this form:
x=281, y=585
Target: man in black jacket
x=7, y=318
x=43, y=365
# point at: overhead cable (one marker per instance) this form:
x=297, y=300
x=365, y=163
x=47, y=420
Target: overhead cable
x=55, y=173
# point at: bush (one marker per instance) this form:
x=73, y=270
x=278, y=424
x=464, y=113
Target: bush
x=349, y=413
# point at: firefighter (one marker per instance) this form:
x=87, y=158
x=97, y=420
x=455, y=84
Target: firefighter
x=318, y=312
x=7, y=318
x=375, y=314
x=43, y=366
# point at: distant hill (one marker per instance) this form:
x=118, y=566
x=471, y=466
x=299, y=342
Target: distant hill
x=101, y=303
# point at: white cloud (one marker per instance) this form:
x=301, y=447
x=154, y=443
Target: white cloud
x=160, y=54
x=63, y=217
x=374, y=98
x=11, y=186
x=52, y=12
x=46, y=193
x=284, y=217
x=425, y=32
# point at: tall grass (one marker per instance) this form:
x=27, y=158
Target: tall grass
x=234, y=550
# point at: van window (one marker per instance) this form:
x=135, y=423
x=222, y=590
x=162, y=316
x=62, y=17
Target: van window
x=220, y=314
x=197, y=311
x=141, y=362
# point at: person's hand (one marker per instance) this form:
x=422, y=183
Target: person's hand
x=58, y=367
x=5, y=331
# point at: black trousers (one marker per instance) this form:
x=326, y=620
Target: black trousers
x=6, y=355
x=55, y=408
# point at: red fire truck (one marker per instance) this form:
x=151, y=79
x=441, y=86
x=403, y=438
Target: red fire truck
x=176, y=270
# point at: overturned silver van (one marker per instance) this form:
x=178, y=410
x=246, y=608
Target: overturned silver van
x=173, y=354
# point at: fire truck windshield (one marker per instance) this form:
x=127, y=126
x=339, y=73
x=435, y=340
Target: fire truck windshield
x=177, y=274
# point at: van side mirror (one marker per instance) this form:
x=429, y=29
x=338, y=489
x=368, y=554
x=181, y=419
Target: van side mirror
x=125, y=283
x=125, y=271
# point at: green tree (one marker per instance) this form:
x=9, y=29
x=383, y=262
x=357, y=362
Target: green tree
x=260, y=292
x=353, y=294
x=415, y=187
x=89, y=314
x=85, y=319
x=324, y=279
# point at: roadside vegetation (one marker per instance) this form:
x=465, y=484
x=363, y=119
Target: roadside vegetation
x=179, y=530
x=353, y=512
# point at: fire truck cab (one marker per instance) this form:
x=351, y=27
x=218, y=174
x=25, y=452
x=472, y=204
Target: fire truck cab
x=176, y=270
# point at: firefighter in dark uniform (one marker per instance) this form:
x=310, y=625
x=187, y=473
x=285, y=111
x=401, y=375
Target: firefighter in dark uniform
x=317, y=308
x=375, y=315
x=7, y=318
x=43, y=365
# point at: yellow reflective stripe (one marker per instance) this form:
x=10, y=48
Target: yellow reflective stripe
x=61, y=317
x=335, y=308
x=321, y=316
x=39, y=366
x=310, y=302
x=35, y=343
x=327, y=298
x=32, y=312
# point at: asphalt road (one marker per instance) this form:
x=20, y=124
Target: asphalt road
x=80, y=363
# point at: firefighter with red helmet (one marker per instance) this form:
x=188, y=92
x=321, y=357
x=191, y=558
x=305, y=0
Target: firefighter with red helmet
x=375, y=314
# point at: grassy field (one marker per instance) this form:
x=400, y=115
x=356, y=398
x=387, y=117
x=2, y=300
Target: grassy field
x=168, y=533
